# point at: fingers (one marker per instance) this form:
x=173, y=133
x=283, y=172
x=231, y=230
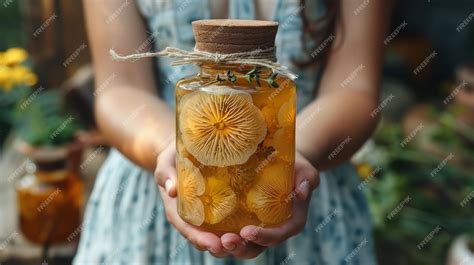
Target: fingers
x=165, y=172
x=274, y=235
x=201, y=239
x=306, y=178
x=240, y=248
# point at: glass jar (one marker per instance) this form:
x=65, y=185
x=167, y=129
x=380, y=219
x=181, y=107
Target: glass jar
x=49, y=198
x=235, y=142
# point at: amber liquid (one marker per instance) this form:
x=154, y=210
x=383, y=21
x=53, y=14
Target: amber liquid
x=213, y=193
x=50, y=207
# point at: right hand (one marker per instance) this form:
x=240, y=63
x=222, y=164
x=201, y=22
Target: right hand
x=165, y=175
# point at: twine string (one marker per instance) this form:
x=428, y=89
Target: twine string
x=259, y=57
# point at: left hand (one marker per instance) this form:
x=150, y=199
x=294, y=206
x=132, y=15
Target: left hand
x=253, y=240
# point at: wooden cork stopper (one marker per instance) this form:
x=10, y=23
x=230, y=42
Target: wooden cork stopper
x=226, y=36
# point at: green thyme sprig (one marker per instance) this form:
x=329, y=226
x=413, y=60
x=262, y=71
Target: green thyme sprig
x=271, y=80
x=251, y=75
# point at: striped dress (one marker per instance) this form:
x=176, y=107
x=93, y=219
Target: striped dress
x=125, y=221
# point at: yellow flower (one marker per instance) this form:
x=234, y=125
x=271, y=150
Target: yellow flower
x=22, y=75
x=364, y=170
x=5, y=80
x=13, y=56
x=11, y=76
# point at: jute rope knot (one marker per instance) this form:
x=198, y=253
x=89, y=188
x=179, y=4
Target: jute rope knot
x=264, y=58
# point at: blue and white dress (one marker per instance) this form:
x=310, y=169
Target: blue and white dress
x=125, y=222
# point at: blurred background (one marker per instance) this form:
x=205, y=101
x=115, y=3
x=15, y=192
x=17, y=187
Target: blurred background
x=417, y=170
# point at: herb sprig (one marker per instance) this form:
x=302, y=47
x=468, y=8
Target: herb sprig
x=251, y=75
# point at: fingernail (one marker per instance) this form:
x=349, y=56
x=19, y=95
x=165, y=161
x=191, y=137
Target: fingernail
x=304, y=189
x=168, y=184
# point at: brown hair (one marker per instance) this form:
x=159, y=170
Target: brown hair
x=318, y=31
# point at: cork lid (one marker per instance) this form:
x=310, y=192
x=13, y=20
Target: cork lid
x=226, y=36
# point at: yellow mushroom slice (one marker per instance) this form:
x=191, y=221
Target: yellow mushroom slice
x=270, y=198
x=284, y=143
x=219, y=200
x=220, y=126
x=269, y=114
x=240, y=177
x=237, y=220
x=180, y=148
x=190, y=186
x=286, y=114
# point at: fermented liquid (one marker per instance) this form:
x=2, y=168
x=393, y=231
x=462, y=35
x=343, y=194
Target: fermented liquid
x=235, y=140
x=50, y=203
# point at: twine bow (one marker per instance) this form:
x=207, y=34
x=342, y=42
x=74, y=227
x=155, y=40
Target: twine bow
x=265, y=58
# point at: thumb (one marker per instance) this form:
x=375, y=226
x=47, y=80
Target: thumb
x=165, y=173
x=306, y=180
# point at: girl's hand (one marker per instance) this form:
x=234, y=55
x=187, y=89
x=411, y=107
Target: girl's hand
x=255, y=239
x=252, y=240
x=165, y=175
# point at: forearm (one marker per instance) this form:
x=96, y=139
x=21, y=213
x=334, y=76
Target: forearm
x=136, y=122
x=334, y=126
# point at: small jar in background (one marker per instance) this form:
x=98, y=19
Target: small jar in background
x=49, y=198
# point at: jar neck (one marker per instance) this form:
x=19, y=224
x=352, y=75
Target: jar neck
x=51, y=171
x=212, y=69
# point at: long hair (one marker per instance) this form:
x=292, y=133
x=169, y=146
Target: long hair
x=318, y=31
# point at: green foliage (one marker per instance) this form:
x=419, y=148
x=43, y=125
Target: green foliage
x=44, y=121
x=435, y=199
x=8, y=101
x=11, y=29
